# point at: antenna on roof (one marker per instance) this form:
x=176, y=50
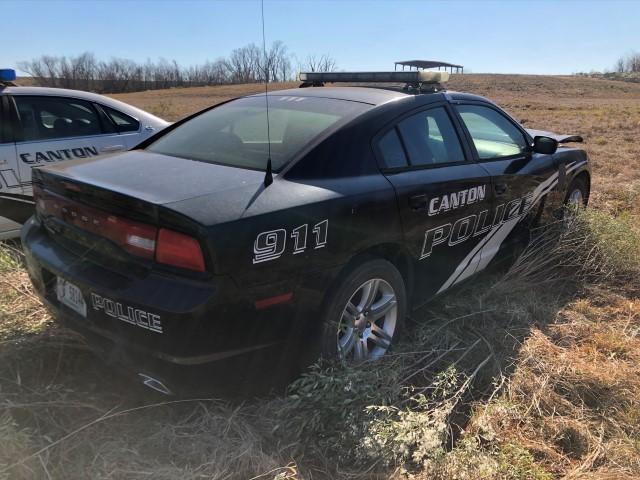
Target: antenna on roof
x=268, y=174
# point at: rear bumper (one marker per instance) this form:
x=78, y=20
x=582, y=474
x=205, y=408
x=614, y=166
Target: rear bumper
x=198, y=324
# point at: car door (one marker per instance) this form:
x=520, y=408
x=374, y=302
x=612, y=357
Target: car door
x=13, y=205
x=9, y=182
x=520, y=178
x=443, y=195
x=53, y=129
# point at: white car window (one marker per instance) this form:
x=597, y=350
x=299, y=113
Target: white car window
x=123, y=122
x=46, y=118
x=493, y=135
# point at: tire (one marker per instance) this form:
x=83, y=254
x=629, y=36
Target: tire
x=364, y=313
x=577, y=193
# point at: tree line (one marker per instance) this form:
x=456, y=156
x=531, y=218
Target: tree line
x=248, y=64
x=628, y=64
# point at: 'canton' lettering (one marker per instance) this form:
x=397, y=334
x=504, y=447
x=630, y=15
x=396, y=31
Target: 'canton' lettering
x=51, y=156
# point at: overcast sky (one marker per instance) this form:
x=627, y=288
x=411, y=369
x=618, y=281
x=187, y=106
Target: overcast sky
x=499, y=36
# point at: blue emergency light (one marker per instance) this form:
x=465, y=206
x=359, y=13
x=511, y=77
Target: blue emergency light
x=7, y=75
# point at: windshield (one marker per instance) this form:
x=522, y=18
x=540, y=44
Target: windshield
x=235, y=133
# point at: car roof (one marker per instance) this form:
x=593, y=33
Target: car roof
x=467, y=97
x=373, y=95
x=370, y=95
x=82, y=95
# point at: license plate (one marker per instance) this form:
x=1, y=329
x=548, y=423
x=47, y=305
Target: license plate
x=71, y=296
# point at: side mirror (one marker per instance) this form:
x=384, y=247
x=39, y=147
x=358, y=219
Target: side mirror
x=546, y=145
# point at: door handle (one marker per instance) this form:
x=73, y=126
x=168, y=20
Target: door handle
x=500, y=188
x=112, y=148
x=418, y=202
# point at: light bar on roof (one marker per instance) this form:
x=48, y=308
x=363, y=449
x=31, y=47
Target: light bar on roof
x=375, y=77
x=7, y=75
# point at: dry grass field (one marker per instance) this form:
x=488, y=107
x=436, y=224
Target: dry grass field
x=530, y=373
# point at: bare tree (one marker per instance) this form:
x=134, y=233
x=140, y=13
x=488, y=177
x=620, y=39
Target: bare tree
x=278, y=63
x=630, y=64
x=244, y=64
x=84, y=67
x=633, y=62
x=322, y=63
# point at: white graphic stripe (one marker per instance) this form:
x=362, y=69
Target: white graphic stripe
x=469, y=261
x=574, y=167
x=489, y=246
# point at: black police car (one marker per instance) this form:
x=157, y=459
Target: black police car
x=219, y=243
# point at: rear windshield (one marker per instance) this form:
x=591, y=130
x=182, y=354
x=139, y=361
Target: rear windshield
x=235, y=133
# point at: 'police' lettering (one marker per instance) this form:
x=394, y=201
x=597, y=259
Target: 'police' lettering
x=434, y=237
x=472, y=225
x=125, y=313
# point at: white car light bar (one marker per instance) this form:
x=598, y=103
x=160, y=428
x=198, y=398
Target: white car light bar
x=374, y=77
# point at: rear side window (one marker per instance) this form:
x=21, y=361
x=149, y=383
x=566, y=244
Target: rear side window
x=392, y=151
x=493, y=134
x=235, y=133
x=430, y=138
x=122, y=121
x=47, y=118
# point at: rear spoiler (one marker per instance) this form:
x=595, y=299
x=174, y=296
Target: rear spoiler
x=558, y=137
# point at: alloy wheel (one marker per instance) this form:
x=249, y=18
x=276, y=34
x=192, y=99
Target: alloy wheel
x=576, y=198
x=368, y=322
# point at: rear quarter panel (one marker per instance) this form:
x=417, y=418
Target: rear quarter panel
x=315, y=225
x=336, y=186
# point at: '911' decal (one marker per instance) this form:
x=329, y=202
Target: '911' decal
x=272, y=244
x=269, y=245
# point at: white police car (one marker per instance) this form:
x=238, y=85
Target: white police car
x=41, y=125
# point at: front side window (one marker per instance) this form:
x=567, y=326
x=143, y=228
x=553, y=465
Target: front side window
x=47, y=118
x=493, y=134
x=430, y=138
x=235, y=134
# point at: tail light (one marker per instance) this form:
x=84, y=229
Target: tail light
x=134, y=237
x=146, y=241
x=179, y=250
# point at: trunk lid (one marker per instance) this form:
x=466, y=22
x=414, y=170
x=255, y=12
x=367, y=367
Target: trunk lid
x=155, y=178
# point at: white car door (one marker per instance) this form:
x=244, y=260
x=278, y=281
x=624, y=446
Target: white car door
x=10, y=192
x=10, y=188
x=54, y=129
